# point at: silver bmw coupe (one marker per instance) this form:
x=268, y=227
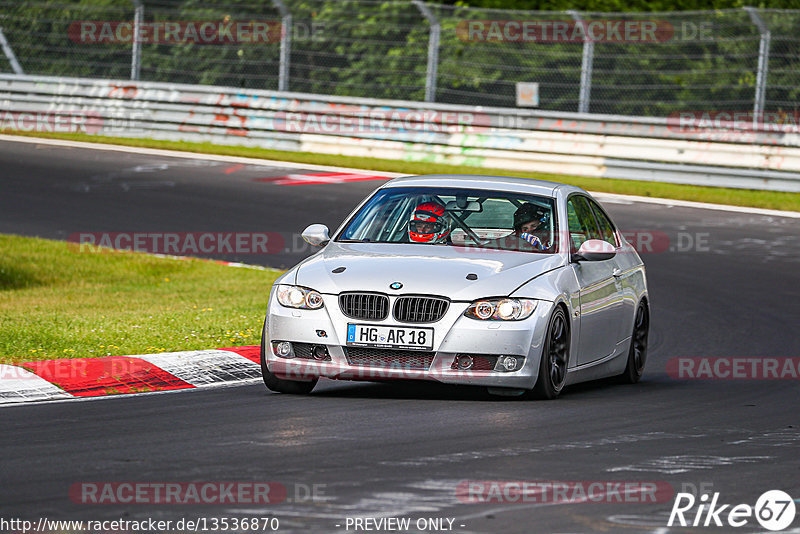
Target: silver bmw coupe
x=514, y=284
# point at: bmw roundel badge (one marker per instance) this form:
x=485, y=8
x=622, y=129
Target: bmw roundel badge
x=395, y=285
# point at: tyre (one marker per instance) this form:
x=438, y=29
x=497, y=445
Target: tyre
x=637, y=354
x=555, y=357
x=281, y=385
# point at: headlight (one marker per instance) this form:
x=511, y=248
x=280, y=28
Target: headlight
x=501, y=309
x=299, y=297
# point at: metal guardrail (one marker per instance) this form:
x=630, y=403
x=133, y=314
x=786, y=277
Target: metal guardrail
x=640, y=148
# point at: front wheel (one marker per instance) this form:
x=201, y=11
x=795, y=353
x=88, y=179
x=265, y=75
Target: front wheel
x=637, y=354
x=555, y=357
x=281, y=385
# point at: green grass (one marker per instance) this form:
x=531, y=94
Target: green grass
x=58, y=302
x=714, y=195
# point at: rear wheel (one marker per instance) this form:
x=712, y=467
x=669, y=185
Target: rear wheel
x=281, y=385
x=637, y=354
x=555, y=357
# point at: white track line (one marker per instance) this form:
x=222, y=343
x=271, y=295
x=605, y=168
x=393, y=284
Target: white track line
x=327, y=168
x=698, y=205
x=191, y=155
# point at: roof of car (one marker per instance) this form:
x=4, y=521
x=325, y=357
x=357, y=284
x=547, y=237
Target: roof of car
x=479, y=181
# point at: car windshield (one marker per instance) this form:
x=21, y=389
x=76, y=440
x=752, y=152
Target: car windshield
x=456, y=217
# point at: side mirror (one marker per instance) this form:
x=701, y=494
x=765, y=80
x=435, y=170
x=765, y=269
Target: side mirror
x=316, y=235
x=595, y=250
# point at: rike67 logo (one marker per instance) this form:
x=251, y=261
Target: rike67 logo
x=774, y=510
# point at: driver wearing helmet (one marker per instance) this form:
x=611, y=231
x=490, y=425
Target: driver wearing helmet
x=530, y=226
x=429, y=224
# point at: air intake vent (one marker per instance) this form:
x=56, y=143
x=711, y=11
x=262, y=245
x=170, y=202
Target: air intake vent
x=369, y=306
x=420, y=309
x=389, y=359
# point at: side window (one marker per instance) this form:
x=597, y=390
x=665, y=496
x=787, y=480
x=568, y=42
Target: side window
x=582, y=225
x=606, y=226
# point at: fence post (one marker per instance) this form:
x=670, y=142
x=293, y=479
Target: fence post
x=9, y=52
x=763, y=65
x=586, y=65
x=136, y=49
x=433, y=50
x=286, y=45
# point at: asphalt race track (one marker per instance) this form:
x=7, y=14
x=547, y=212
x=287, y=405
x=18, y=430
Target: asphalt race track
x=725, y=285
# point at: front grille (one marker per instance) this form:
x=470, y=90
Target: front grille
x=420, y=309
x=303, y=351
x=371, y=306
x=480, y=362
x=389, y=359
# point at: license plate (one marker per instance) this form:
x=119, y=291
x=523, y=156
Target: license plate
x=389, y=337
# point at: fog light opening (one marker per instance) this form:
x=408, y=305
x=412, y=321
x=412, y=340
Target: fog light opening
x=509, y=363
x=282, y=349
x=464, y=362
x=320, y=352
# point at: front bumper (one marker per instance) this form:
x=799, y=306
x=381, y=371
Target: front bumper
x=453, y=334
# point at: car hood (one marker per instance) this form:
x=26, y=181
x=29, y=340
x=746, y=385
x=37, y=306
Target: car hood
x=422, y=269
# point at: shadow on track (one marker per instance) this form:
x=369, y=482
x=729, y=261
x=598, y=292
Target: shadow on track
x=421, y=390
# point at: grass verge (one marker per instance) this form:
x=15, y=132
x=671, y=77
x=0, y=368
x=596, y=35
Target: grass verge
x=57, y=302
x=715, y=195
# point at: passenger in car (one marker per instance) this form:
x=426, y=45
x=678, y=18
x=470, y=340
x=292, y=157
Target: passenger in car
x=530, y=226
x=531, y=232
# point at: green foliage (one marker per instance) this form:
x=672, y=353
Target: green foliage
x=39, y=33
x=59, y=302
x=379, y=48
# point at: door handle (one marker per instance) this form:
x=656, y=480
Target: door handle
x=617, y=272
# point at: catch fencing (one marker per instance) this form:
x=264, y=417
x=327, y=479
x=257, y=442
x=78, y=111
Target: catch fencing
x=637, y=64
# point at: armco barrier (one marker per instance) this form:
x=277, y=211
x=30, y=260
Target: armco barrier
x=505, y=138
